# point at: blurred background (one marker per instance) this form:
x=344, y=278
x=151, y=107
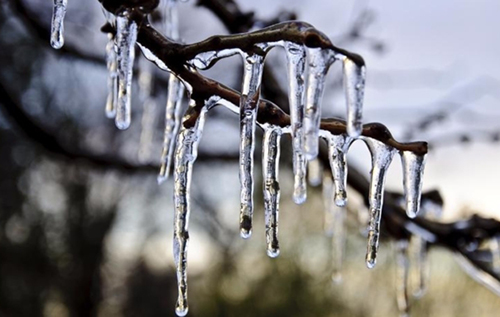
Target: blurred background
x=86, y=231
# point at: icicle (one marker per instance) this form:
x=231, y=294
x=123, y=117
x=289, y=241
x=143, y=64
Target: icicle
x=315, y=172
x=381, y=159
x=126, y=36
x=421, y=268
x=185, y=155
x=170, y=20
x=327, y=192
x=270, y=172
x=402, y=269
x=319, y=62
x=172, y=122
x=112, y=63
x=337, y=151
x=334, y=228
x=495, y=253
x=413, y=171
x=148, y=111
x=250, y=95
x=57, y=28
x=296, y=60
x=354, y=86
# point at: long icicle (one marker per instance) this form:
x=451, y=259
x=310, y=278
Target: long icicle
x=296, y=61
x=112, y=64
x=270, y=172
x=421, y=268
x=57, y=27
x=176, y=89
x=337, y=152
x=173, y=112
x=381, y=159
x=354, y=86
x=126, y=36
x=413, y=172
x=186, y=152
x=250, y=95
x=319, y=62
x=402, y=270
x=146, y=81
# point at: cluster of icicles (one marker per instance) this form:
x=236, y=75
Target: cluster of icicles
x=305, y=95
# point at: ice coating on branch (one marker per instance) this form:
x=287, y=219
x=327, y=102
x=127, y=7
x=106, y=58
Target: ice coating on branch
x=173, y=112
x=495, y=253
x=126, y=36
x=315, y=172
x=185, y=155
x=57, y=27
x=296, y=62
x=250, y=95
x=413, y=172
x=206, y=60
x=354, y=86
x=402, y=270
x=271, y=188
x=338, y=146
x=112, y=64
x=382, y=155
x=319, y=62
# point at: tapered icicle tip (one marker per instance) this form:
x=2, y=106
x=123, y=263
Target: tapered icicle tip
x=181, y=311
x=299, y=197
x=273, y=252
x=161, y=178
x=341, y=199
x=371, y=260
x=123, y=124
x=57, y=28
x=413, y=170
x=245, y=227
x=245, y=233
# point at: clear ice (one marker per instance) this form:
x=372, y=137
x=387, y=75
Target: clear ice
x=112, y=64
x=296, y=61
x=173, y=113
x=185, y=155
x=250, y=96
x=354, y=86
x=413, y=171
x=338, y=146
x=126, y=36
x=270, y=172
x=382, y=155
x=57, y=28
x=319, y=62
x=402, y=270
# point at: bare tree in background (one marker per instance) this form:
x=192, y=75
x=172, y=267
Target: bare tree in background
x=55, y=235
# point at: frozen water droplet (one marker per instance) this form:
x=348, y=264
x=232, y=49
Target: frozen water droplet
x=354, y=86
x=112, y=64
x=185, y=155
x=57, y=28
x=319, y=63
x=382, y=155
x=172, y=122
x=180, y=310
x=270, y=172
x=126, y=36
x=402, y=270
x=413, y=170
x=250, y=96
